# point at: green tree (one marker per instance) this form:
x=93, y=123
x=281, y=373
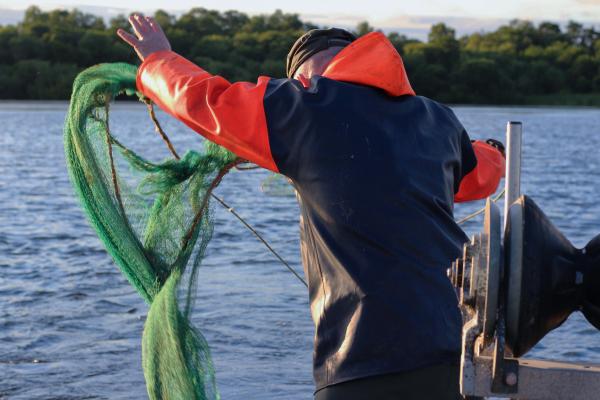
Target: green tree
x=363, y=28
x=443, y=48
x=582, y=73
x=399, y=41
x=481, y=81
x=164, y=19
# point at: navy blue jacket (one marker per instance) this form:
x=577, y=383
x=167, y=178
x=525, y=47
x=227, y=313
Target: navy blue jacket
x=377, y=229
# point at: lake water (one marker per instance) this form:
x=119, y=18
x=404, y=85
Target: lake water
x=70, y=325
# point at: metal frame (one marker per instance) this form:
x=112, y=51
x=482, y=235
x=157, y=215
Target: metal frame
x=538, y=380
x=512, y=182
x=515, y=263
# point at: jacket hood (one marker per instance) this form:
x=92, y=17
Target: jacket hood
x=371, y=60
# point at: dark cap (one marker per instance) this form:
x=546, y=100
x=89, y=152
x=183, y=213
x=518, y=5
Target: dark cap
x=314, y=41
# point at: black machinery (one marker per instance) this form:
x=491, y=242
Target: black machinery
x=514, y=290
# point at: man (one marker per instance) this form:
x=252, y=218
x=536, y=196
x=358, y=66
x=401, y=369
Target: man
x=377, y=170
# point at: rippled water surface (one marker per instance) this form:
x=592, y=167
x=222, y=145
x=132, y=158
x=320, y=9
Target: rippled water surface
x=70, y=325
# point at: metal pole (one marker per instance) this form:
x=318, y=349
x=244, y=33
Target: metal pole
x=512, y=182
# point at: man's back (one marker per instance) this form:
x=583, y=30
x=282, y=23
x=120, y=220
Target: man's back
x=376, y=177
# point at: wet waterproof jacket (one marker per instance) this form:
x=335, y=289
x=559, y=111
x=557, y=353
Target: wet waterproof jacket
x=377, y=170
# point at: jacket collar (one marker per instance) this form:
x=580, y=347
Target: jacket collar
x=373, y=61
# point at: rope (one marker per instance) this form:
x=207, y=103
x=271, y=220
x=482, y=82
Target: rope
x=235, y=214
x=476, y=213
x=159, y=129
x=198, y=217
x=113, y=170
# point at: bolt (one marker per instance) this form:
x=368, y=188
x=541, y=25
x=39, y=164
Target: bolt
x=511, y=379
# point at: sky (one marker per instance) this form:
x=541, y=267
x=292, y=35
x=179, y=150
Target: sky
x=410, y=17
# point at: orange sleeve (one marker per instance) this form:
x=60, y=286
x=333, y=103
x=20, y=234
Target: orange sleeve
x=483, y=180
x=229, y=114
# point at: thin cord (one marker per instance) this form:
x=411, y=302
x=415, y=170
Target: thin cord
x=159, y=129
x=113, y=170
x=198, y=217
x=247, y=225
x=476, y=213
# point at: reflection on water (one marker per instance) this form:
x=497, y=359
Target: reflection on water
x=70, y=324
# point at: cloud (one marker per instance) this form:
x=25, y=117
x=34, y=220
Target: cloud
x=410, y=25
x=462, y=25
x=10, y=17
x=341, y=20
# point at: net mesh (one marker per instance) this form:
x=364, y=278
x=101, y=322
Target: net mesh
x=154, y=220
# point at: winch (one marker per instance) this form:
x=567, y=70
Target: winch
x=516, y=287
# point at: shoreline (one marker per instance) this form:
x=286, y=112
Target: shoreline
x=593, y=102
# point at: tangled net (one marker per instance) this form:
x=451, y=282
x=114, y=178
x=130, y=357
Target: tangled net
x=154, y=220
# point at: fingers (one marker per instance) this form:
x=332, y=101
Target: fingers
x=143, y=23
x=148, y=38
x=155, y=27
x=140, y=25
x=136, y=26
x=128, y=37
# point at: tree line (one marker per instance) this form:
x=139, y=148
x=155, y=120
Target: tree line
x=520, y=62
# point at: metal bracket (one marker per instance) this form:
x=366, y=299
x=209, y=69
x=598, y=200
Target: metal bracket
x=505, y=372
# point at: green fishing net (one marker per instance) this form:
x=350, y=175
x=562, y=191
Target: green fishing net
x=155, y=221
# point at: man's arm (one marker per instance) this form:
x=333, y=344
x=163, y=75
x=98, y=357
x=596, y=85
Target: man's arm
x=229, y=114
x=482, y=181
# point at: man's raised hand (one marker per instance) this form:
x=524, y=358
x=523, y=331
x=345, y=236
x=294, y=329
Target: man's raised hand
x=149, y=36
